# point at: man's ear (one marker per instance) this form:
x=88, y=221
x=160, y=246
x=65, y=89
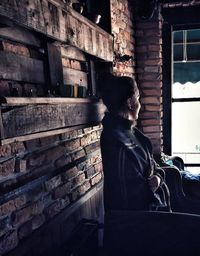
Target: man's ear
x=129, y=104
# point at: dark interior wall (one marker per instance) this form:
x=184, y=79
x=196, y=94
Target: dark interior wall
x=45, y=179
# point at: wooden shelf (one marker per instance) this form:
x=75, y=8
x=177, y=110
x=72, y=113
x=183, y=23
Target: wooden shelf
x=24, y=119
x=43, y=100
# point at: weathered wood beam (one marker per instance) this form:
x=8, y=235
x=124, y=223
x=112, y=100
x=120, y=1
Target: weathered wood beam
x=72, y=76
x=34, y=118
x=12, y=101
x=21, y=68
x=60, y=23
x=20, y=35
x=43, y=134
x=55, y=65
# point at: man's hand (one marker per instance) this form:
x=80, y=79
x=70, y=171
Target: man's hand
x=154, y=182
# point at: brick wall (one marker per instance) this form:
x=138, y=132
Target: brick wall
x=149, y=77
x=52, y=173
x=123, y=32
x=141, y=39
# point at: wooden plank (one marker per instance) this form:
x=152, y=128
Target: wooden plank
x=41, y=100
x=55, y=65
x=72, y=52
x=1, y=128
x=72, y=76
x=41, y=134
x=21, y=68
x=29, y=119
x=20, y=35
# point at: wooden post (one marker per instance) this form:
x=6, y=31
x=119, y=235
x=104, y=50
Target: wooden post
x=55, y=66
x=1, y=128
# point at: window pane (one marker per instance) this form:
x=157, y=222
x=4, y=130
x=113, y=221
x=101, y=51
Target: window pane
x=185, y=131
x=187, y=90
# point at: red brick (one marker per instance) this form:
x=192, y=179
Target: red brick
x=53, y=209
x=69, y=135
x=49, y=140
x=96, y=158
x=36, y=160
x=154, y=135
x=32, y=144
x=153, y=76
x=54, y=153
x=139, y=33
x=153, y=62
x=66, y=63
x=152, y=33
x=72, y=145
x=5, y=150
x=79, y=179
x=16, y=48
x=152, y=92
x=155, y=48
x=7, y=208
x=4, y=225
x=98, y=167
x=37, y=207
x=5, y=88
x=78, y=154
x=90, y=172
x=20, y=165
x=65, y=201
x=142, y=48
x=148, y=122
x=7, y=167
x=62, y=161
x=74, y=195
x=151, y=84
x=86, y=140
x=75, y=64
x=8, y=242
x=147, y=114
x=153, y=107
x=149, y=100
x=147, y=129
x=151, y=69
x=87, y=185
x=148, y=25
x=53, y=183
x=84, y=165
x=96, y=179
x=92, y=147
x=149, y=40
x=71, y=173
x=35, y=193
x=21, y=216
x=154, y=55
x=25, y=229
x=20, y=201
x=86, y=130
x=62, y=191
x=37, y=221
x=17, y=147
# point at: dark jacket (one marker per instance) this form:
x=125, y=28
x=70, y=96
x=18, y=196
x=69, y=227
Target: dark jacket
x=127, y=165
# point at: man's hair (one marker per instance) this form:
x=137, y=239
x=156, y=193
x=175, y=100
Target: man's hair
x=115, y=91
